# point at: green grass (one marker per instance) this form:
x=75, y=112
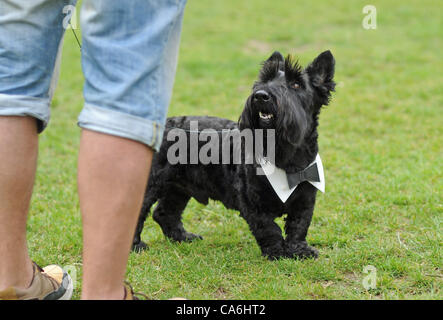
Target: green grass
x=380, y=141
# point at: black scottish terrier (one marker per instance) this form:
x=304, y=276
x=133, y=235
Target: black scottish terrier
x=286, y=98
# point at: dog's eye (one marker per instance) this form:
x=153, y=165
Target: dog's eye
x=295, y=86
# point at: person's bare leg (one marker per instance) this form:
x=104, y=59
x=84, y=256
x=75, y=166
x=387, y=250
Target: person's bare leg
x=112, y=178
x=18, y=162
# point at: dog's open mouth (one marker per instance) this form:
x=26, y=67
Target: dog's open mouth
x=265, y=116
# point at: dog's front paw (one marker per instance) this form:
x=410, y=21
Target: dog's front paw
x=139, y=247
x=185, y=236
x=274, y=252
x=300, y=250
x=188, y=237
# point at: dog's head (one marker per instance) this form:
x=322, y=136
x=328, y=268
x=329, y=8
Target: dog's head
x=288, y=98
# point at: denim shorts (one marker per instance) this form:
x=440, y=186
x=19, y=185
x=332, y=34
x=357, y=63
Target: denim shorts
x=129, y=58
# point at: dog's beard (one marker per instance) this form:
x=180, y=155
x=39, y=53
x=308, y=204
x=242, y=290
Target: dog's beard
x=291, y=125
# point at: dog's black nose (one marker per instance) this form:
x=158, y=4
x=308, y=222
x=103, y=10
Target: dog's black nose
x=262, y=95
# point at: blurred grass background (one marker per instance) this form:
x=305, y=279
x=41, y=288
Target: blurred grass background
x=380, y=141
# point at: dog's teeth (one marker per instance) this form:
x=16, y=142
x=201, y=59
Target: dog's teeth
x=265, y=115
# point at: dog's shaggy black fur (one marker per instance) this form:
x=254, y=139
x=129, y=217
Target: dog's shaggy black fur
x=294, y=97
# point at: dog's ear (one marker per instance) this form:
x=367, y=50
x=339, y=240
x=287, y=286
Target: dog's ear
x=271, y=67
x=321, y=74
x=277, y=59
x=276, y=56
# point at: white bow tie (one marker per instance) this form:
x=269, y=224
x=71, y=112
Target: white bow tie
x=279, y=181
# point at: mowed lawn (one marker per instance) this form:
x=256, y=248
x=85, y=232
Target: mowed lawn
x=380, y=141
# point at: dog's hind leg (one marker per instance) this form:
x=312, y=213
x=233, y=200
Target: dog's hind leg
x=168, y=215
x=137, y=244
